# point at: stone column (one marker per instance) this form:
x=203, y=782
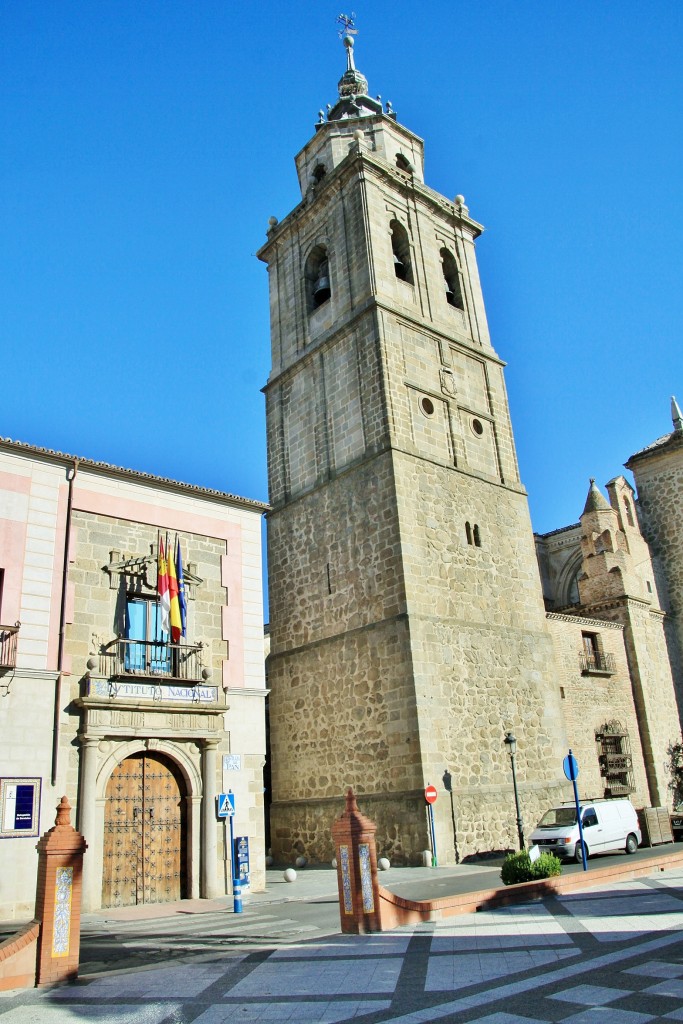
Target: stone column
x=87, y=815
x=58, y=899
x=209, y=852
x=354, y=842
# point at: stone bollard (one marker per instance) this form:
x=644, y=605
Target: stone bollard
x=356, y=854
x=58, y=899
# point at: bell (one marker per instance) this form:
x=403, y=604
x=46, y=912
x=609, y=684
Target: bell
x=321, y=288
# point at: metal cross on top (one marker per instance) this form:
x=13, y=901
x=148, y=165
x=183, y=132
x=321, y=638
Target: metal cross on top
x=346, y=25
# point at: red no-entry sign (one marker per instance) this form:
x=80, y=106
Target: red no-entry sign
x=430, y=794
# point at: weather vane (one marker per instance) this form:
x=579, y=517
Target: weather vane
x=346, y=25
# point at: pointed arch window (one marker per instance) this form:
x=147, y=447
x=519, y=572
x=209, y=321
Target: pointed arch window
x=317, y=275
x=400, y=247
x=451, y=279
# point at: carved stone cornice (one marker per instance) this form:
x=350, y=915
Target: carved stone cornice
x=583, y=621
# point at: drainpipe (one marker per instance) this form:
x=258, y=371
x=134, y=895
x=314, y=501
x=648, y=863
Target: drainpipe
x=71, y=476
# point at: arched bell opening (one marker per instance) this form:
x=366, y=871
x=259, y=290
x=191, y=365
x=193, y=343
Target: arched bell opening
x=317, y=273
x=400, y=247
x=451, y=279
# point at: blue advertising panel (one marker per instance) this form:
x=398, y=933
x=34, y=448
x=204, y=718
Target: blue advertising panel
x=19, y=808
x=241, y=861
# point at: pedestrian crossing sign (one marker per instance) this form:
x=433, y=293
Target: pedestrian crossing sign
x=226, y=805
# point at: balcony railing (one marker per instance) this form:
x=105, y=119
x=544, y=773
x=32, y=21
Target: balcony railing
x=597, y=662
x=152, y=659
x=8, y=645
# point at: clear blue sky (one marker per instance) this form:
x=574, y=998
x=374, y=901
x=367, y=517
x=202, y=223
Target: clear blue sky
x=145, y=144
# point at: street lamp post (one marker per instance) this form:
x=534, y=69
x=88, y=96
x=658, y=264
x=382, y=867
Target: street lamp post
x=511, y=744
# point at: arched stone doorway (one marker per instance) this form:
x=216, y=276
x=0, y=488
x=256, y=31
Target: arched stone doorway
x=145, y=832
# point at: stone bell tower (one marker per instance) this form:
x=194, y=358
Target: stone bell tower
x=408, y=631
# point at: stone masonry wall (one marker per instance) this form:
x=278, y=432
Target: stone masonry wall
x=659, y=480
x=483, y=658
x=99, y=616
x=589, y=701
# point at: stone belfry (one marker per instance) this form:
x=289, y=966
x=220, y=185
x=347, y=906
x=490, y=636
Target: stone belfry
x=408, y=631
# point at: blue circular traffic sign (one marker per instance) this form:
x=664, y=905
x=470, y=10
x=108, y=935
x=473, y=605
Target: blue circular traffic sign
x=571, y=767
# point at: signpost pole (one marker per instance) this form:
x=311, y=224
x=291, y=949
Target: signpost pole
x=430, y=798
x=431, y=824
x=225, y=853
x=571, y=771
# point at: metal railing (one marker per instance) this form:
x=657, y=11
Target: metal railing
x=597, y=662
x=152, y=659
x=8, y=645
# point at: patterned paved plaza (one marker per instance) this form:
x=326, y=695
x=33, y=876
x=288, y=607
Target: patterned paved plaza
x=609, y=955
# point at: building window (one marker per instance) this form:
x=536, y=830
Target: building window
x=473, y=535
x=317, y=275
x=629, y=512
x=148, y=651
x=400, y=247
x=451, y=279
x=594, y=660
x=614, y=758
x=403, y=164
x=319, y=173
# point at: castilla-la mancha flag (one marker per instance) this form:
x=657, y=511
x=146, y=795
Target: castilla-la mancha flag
x=163, y=588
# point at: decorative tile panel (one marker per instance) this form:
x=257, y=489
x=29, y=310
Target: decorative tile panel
x=61, y=925
x=366, y=877
x=346, y=879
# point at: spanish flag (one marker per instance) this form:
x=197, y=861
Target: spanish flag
x=163, y=587
x=174, y=607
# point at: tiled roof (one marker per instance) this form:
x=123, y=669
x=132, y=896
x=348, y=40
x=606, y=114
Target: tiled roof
x=105, y=467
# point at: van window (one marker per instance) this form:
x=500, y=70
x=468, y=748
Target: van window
x=589, y=818
x=558, y=816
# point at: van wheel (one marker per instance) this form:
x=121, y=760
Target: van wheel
x=577, y=853
x=631, y=843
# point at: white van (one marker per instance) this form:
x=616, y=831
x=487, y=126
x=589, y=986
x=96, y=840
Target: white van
x=607, y=825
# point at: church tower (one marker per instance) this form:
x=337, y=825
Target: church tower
x=408, y=630
x=658, y=472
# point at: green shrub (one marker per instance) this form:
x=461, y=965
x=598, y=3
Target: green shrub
x=546, y=866
x=517, y=867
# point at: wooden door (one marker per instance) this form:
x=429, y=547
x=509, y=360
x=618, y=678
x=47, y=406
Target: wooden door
x=144, y=833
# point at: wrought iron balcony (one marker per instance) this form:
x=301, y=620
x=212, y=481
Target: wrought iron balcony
x=152, y=659
x=8, y=645
x=597, y=662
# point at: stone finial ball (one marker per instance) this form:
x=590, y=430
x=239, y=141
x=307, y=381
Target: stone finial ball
x=301, y=862
x=289, y=875
x=459, y=200
x=384, y=863
x=272, y=221
x=359, y=135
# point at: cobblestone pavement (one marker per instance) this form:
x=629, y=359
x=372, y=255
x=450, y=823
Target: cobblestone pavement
x=609, y=955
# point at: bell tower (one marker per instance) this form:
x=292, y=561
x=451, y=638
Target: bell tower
x=408, y=631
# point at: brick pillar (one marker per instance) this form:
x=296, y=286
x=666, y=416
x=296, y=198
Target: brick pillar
x=58, y=899
x=354, y=842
